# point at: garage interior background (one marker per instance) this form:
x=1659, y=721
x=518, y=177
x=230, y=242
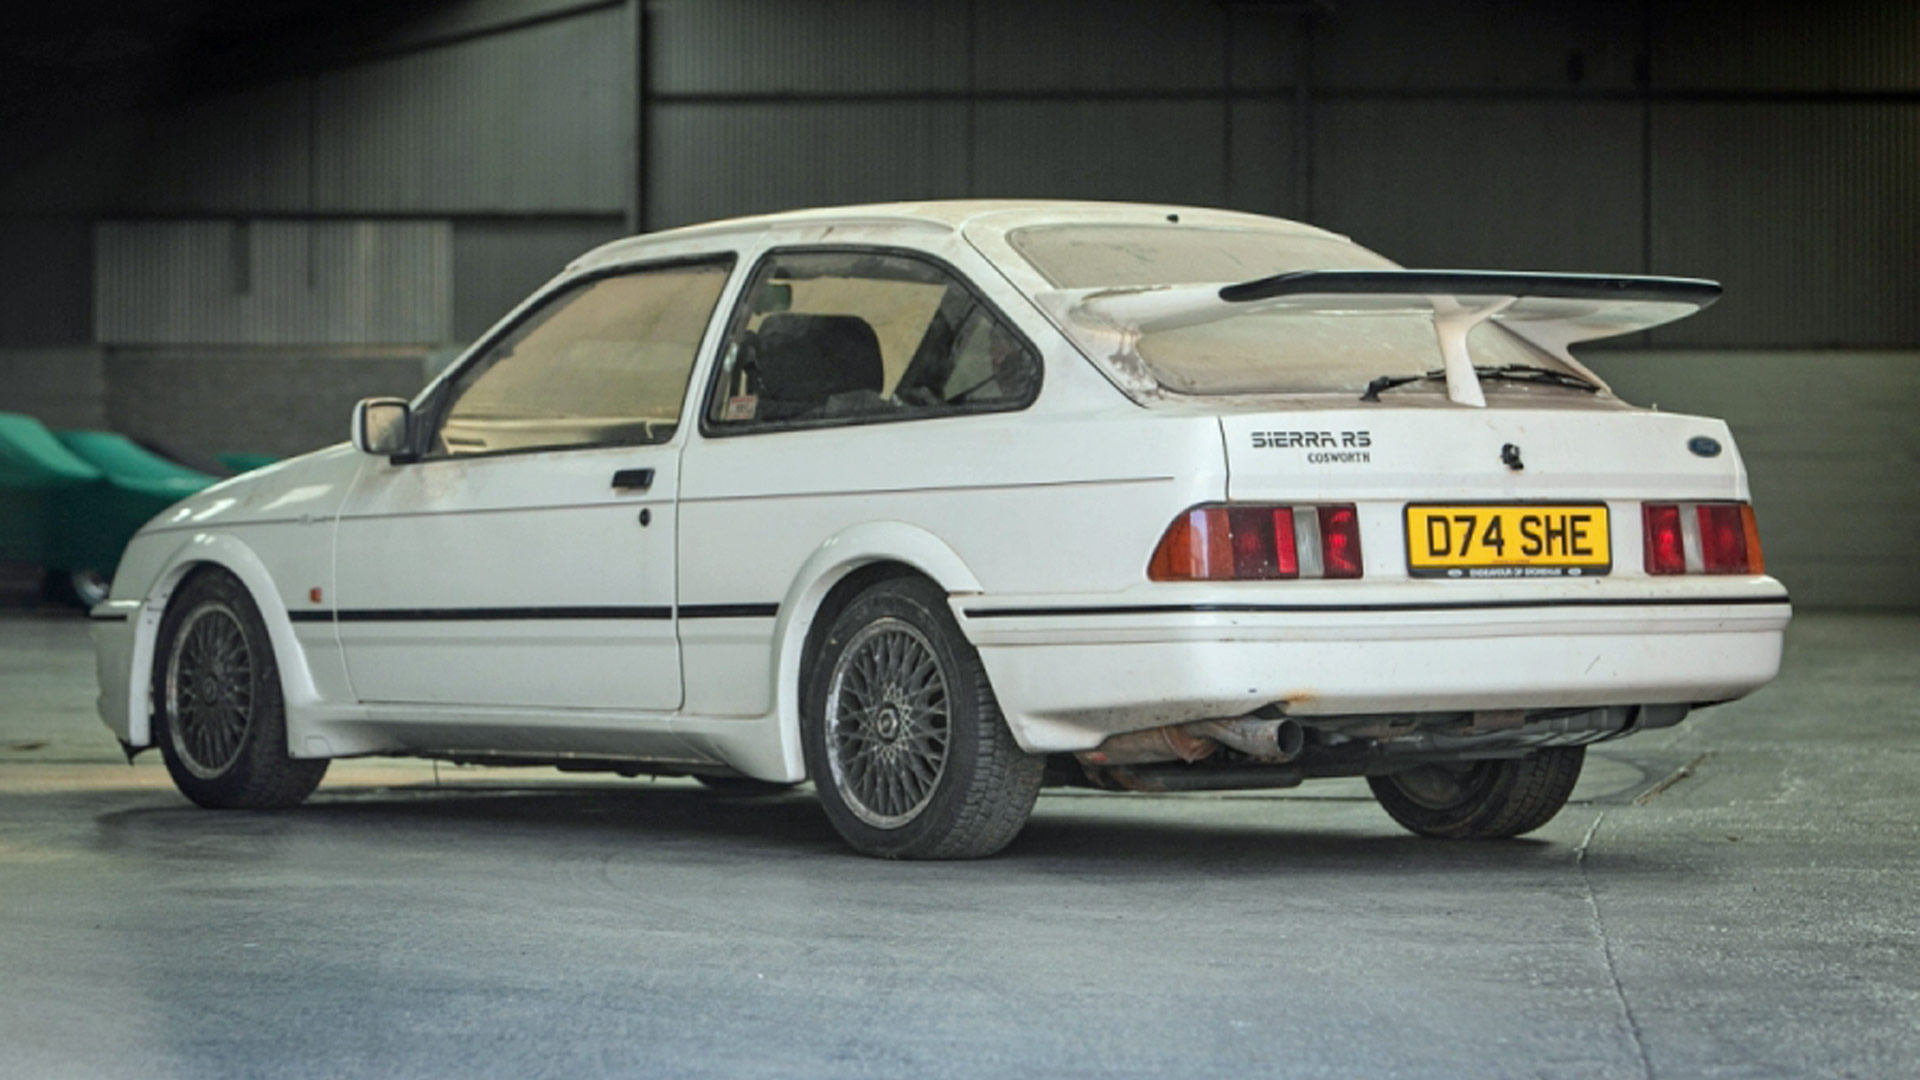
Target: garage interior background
x=221, y=223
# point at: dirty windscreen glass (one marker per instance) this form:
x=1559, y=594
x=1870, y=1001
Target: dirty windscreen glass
x=1272, y=351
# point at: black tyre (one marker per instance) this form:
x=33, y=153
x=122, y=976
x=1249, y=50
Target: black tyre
x=904, y=739
x=218, y=713
x=743, y=785
x=1481, y=800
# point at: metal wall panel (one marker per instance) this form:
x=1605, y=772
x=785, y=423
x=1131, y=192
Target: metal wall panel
x=267, y=283
x=535, y=119
x=843, y=46
x=1822, y=434
x=1487, y=184
x=1099, y=45
x=1440, y=45
x=1834, y=45
x=46, y=282
x=497, y=263
x=1149, y=151
x=1805, y=211
x=716, y=161
x=243, y=153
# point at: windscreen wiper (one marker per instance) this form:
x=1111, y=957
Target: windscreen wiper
x=1509, y=372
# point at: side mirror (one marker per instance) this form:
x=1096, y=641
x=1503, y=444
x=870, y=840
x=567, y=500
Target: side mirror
x=380, y=425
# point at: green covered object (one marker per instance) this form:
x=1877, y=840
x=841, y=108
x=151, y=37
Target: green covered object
x=243, y=461
x=37, y=474
x=139, y=484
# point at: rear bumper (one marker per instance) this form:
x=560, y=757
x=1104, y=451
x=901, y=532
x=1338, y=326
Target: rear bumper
x=1070, y=673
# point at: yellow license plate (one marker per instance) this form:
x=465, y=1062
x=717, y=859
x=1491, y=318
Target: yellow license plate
x=1508, y=540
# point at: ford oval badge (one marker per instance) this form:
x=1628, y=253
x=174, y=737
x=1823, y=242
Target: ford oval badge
x=1704, y=446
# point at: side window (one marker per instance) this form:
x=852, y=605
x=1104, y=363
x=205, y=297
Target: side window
x=850, y=336
x=603, y=363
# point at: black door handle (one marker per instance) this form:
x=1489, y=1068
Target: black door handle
x=633, y=479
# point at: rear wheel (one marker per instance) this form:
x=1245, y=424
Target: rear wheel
x=218, y=712
x=1481, y=800
x=903, y=736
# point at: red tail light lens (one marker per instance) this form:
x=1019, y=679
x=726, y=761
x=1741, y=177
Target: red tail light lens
x=1666, y=548
x=1340, y=541
x=1263, y=543
x=1255, y=543
x=1723, y=538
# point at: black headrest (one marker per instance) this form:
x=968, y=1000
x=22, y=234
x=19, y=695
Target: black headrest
x=810, y=358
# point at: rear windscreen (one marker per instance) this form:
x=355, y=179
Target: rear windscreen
x=1264, y=352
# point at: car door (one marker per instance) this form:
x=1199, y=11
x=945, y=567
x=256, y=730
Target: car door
x=526, y=557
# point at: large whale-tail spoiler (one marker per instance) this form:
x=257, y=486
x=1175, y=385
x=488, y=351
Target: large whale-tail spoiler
x=1553, y=311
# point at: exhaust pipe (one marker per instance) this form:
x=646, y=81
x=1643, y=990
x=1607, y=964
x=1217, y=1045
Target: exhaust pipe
x=1263, y=740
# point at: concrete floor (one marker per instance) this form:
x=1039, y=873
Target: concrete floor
x=1732, y=898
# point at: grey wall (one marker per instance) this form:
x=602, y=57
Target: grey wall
x=1831, y=448
x=393, y=200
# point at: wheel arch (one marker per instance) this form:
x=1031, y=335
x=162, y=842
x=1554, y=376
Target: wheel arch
x=840, y=569
x=202, y=553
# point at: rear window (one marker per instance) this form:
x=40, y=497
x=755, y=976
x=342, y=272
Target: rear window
x=1265, y=352
x=1124, y=256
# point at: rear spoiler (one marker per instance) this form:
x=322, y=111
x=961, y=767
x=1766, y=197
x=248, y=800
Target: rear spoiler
x=1552, y=311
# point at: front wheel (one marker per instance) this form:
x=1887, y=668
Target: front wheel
x=1481, y=800
x=903, y=736
x=219, y=717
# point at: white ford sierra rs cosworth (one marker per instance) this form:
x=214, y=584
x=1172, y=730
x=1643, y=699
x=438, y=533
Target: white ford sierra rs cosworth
x=937, y=504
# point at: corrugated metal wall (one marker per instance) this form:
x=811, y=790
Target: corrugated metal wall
x=273, y=283
x=414, y=195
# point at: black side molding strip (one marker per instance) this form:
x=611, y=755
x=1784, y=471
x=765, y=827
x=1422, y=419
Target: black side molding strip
x=510, y=614
x=109, y=618
x=1445, y=605
x=729, y=611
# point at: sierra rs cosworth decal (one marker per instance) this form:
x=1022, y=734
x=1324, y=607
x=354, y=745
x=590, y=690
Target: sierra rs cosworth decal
x=1323, y=447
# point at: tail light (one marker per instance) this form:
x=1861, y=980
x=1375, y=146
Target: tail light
x=1259, y=543
x=1666, y=550
x=1340, y=541
x=1701, y=538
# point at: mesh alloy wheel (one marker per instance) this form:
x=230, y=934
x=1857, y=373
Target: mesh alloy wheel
x=887, y=722
x=218, y=714
x=209, y=688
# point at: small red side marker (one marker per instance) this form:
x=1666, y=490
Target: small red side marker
x=313, y=594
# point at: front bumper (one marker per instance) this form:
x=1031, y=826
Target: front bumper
x=1069, y=672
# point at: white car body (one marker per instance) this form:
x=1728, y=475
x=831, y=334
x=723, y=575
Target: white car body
x=513, y=607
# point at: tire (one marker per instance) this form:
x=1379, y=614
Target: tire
x=903, y=737
x=743, y=785
x=218, y=713
x=1481, y=800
